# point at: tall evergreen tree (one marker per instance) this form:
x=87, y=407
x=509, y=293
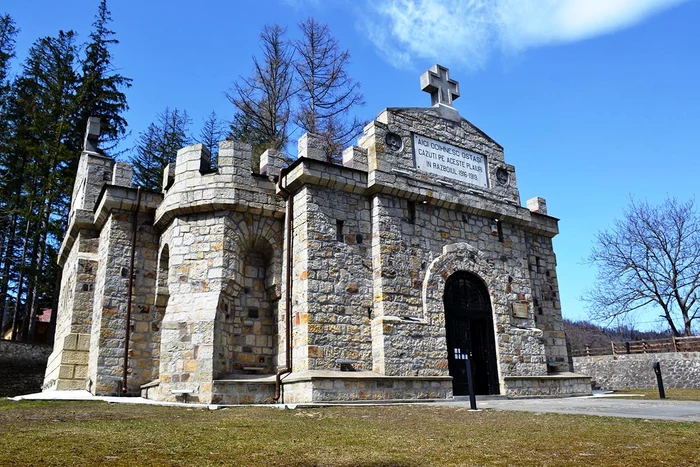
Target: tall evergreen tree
x=100, y=93
x=326, y=92
x=212, y=132
x=42, y=121
x=8, y=214
x=42, y=153
x=158, y=145
x=8, y=32
x=263, y=101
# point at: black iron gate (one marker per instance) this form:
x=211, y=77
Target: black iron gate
x=469, y=323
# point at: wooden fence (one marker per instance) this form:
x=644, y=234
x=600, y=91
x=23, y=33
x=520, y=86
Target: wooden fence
x=672, y=344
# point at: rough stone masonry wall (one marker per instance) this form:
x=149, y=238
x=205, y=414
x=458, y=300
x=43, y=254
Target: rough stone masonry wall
x=207, y=262
x=454, y=213
x=196, y=280
x=245, y=330
x=542, y=264
x=22, y=367
x=146, y=317
x=636, y=371
x=68, y=364
x=402, y=257
x=336, y=271
x=109, y=311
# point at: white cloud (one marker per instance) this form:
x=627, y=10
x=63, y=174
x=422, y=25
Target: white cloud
x=468, y=31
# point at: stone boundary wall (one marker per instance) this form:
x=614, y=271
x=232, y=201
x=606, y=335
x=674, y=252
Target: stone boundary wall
x=22, y=367
x=635, y=371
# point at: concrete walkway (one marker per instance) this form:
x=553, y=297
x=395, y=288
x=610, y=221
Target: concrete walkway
x=615, y=406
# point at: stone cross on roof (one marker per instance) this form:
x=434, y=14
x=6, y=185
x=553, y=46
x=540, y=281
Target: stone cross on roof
x=437, y=82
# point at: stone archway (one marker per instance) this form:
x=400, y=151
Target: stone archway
x=246, y=324
x=464, y=258
x=470, y=332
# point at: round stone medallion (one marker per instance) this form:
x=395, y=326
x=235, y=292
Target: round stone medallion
x=393, y=142
x=502, y=176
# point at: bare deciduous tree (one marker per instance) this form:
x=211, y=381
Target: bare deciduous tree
x=326, y=91
x=649, y=259
x=263, y=100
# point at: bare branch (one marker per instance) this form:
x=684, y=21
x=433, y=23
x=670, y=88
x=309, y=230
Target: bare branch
x=263, y=100
x=650, y=258
x=326, y=91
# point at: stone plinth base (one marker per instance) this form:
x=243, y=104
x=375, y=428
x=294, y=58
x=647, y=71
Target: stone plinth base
x=67, y=367
x=552, y=385
x=347, y=386
x=360, y=386
x=314, y=386
x=230, y=390
x=244, y=390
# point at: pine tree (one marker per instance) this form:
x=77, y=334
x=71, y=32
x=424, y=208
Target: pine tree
x=263, y=101
x=326, y=92
x=8, y=32
x=8, y=214
x=42, y=119
x=41, y=161
x=212, y=132
x=157, y=147
x=100, y=93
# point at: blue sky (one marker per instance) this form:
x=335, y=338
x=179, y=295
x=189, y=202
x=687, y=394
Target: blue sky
x=594, y=100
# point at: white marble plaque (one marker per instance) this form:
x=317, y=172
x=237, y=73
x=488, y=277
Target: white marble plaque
x=444, y=159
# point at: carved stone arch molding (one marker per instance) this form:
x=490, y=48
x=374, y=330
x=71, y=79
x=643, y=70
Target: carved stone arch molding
x=458, y=257
x=455, y=257
x=259, y=236
x=233, y=287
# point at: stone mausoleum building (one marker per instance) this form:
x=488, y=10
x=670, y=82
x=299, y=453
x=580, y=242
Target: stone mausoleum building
x=367, y=280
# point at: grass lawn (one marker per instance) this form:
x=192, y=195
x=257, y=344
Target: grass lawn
x=97, y=433
x=671, y=394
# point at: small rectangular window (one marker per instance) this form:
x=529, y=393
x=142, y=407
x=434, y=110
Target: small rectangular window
x=411, y=212
x=339, y=230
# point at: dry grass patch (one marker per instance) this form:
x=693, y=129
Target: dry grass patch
x=79, y=433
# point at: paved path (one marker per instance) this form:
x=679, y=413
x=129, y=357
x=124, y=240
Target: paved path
x=629, y=407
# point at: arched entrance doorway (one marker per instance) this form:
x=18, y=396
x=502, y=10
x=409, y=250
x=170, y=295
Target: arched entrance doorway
x=469, y=326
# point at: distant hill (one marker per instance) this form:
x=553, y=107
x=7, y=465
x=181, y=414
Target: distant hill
x=583, y=333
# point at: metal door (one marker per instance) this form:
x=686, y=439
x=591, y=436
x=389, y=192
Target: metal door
x=469, y=326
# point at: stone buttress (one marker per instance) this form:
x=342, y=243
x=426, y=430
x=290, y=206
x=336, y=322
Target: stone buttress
x=91, y=322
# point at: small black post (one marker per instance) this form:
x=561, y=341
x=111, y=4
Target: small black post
x=659, y=381
x=627, y=347
x=470, y=383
